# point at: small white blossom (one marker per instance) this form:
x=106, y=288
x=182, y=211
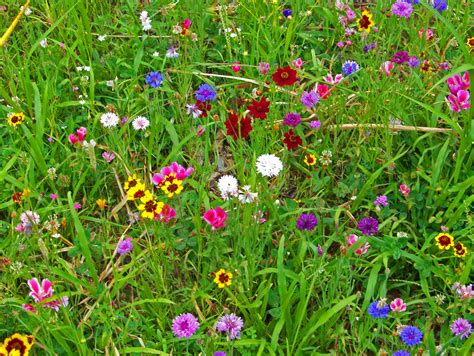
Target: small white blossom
x=140, y=123
x=269, y=165
x=156, y=54
x=102, y=38
x=246, y=196
x=44, y=43
x=228, y=186
x=109, y=119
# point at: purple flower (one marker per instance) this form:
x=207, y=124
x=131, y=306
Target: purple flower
x=413, y=61
x=411, y=336
x=401, y=353
x=185, y=325
x=439, y=5
x=310, y=98
x=367, y=48
x=205, y=93
x=400, y=57
x=292, y=119
x=230, y=324
x=350, y=67
x=320, y=250
x=154, y=79
x=369, y=226
x=306, y=222
x=462, y=328
x=77, y=206
x=315, y=124
x=287, y=12
x=381, y=200
x=378, y=309
x=220, y=353
x=124, y=246
x=402, y=9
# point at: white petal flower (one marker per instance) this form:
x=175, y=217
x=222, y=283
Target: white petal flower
x=109, y=119
x=140, y=123
x=228, y=186
x=269, y=165
x=246, y=196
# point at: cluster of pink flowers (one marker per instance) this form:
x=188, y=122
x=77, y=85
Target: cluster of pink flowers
x=175, y=170
x=41, y=293
x=458, y=99
x=352, y=239
x=81, y=134
x=215, y=217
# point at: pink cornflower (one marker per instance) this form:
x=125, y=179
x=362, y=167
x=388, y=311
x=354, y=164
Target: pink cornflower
x=404, y=190
x=215, y=217
x=398, y=306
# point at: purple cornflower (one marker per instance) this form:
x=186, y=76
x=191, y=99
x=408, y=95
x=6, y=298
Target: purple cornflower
x=368, y=226
x=310, y=98
x=292, y=119
x=350, y=67
x=378, y=309
x=315, y=124
x=205, y=93
x=414, y=2
x=287, y=13
x=402, y=8
x=306, y=222
x=125, y=246
x=400, y=57
x=230, y=324
x=154, y=79
x=411, y=336
x=367, y=48
x=381, y=200
x=401, y=353
x=220, y=353
x=185, y=325
x=413, y=61
x=461, y=327
x=439, y=5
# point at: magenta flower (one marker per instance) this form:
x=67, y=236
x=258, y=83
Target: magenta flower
x=400, y=57
x=292, y=119
x=315, y=124
x=179, y=171
x=72, y=139
x=457, y=83
x=167, y=213
x=41, y=292
x=108, y=156
x=398, y=306
x=351, y=239
x=81, y=133
x=215, y=217
x=297, y=63
x=404, y=190
x=230, y=324
x=459, y=101
x=329, y=79
x=263, y=67
x=185, y=325
x=369, y=226
x=77, y=206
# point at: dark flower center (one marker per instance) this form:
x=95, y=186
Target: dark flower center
x=172, y=188
x=444, y=240
x=223, y=278
x=364, y=22
x=150, y=206
x=310, y=159
x=139, y=194
x=16, y=344
x=15, y=119
x=132, y=183
x=284, y=75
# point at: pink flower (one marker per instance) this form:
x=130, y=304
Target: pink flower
x=398, y=306
x=329, y=79
x=323, y=91
x=428, y=34
x=457, y=83
x=386, y=67
x=351, y=239
x=81, y=134
x=459, y=101
x=40, y=292
x=351, y=15
x=73, y=139
x=179, y=171
x=200, y=130
x=186, y=23
x=77, y=206
x=236, y=67
x=53, y=196
x=348, y=42
x=29, y=308
x=215, y=217
x=297, y=63
x=263, y=67
x=167, y=213
x=404, y=190
x=108, y=156
x=340, y=44
x=20, y=227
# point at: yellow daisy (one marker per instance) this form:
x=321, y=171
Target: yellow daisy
x=15, y=118
x=365, y=22
x=223, y=278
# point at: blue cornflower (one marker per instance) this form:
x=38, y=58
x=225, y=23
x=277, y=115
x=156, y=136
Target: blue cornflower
x=154, y=79
x=205, y=93
x=401, y=353
x=287, y=12
x=350, y=67
x=413, y=61
x=378, y=309
x=439, y=5
x=411, y=336
x=414, y=2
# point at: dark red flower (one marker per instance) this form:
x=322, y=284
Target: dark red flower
x=292, y=140
x=284, y=76
x=204, y=107
x=238, y=127
x=259, y=109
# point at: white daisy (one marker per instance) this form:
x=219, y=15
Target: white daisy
x=109, y=119
x=228, y=186
x=269, y=165
x=246, y=196
x=140, y=123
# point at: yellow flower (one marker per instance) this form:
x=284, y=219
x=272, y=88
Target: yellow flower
x=26, y=193
x=136, y=192
x=470, y=42
x=310, y=159
x=150, y=206
x=101, y=203
x=172, y=187
x=15, y=118
x=365, y=22
x=131, y=182
x=17, y=345
x=460, y=250
x=223, y=278
x=444, y=241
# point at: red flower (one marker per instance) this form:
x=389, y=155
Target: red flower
x=291, y=140
x=323, y=91
x=259, y=109
x=238, y=128
x=284, y=76
x=204, y=107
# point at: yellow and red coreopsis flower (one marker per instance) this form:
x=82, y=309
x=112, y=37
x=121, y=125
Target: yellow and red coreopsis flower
x=460, y=250
x=365, y=22
x=310, y=159
x=17, y=345
x=15, y=118
x=223, y=278
x=131, y=182
x=150, y=206
x=470, y=42
x=172, y=187
x=444, y=241
x=136, y=192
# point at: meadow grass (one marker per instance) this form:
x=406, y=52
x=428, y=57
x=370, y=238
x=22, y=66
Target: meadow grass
x=298, y=292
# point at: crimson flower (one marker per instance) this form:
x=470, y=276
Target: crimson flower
x=292, y=140
x=259, y=109
x=284, y=76
x=204, y=107
x=238, y=127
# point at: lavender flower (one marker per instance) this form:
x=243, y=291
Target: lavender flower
x=378, y=309
x=185, y=325
x=205, y=93
x=411, y=336
x=402, y=9
x=315, y=124
x=230, y=324
x=369, y=226
x=125, y=246
x=413, y=61
x=381, y=200
x=350, y=67
x=306, y=222
x=462, y=328
x=400, y=57
x=292, y=119
x=310, y=98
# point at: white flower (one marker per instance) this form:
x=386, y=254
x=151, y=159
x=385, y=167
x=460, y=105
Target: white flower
x=89, y=145
x=109, y=119
x=228, y=186
x=156, y=54
x=30, y=217
x=172, y=53
x=140, y=123
x=44, y=43
x=27, y=11
x=246, y=196
x=102, y=38
x=192, y=109
x=145, y=20
x=269, y=165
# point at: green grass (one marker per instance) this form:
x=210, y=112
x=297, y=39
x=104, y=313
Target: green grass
x=292, y=301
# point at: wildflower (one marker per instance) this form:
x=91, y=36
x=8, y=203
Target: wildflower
x=205, y=93
x=263, y=67
x=439, y=5
x=460, y=250
x=230, y=324
x=292, y=119
x=404, y=190
x=172, y=52
x=470, y=42
x=149, y=206
x=44, y=43
x=381, y=200
x=402, y=8
x=269, y=165
x=400, y=57
x=425, y=66
x=398, y=306
x=185, y=325
x=228, y=186
x=350, y=67
x=368, y=226
x=172, y=187
x=40, y=292
x=464, y=292
x=16, y=197
x=378, y=310
x=291, y=140
x=284, y=76
x=461, y=327
x=386, y=67
x=220, y=353
x=154, y=79
x=77, y=206
x=309, y=159
x=215, y=217
x=325, y=158
x=223, y=278
x=368, y=47
x=456, y=82
x=124, y=246
x=401, y=353
x=175, y=170
x=109, y=119
x=17, y=345
x=131, y=182
x=192, y=109
x=306, y=222
x=167, y=213
x=297, y=63
x=259, y=109
x=411, y=336
x=329, y=78
x=444, y=241
x=351, y=239
x=30, y=217
x=204, y=107
x=238, y=127
x=310, y=98
x=246, y=196
x=108, y=156
x=15, y=119
x=365, y=22
x=287, y=13
x=140, y=123
x=315, y=124
x=236, y=67
x=145, y=20
x=459, y=101
x=413, y=61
